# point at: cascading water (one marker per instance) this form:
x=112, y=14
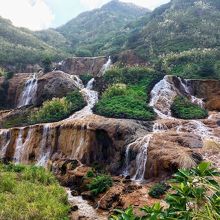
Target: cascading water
x=162, y=96
x=29, y=92
x=142, y=145
x=106, y=66
x=90, y=96
x=21, y=145
x=44, y=150
x=5, y=140
x=194, y=99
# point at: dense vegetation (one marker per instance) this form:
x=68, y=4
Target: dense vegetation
x=87, y=40
x=19, y=46
x=194, y=194
x=183, y=108
x=179, y=29
x=127, y=93
x=175, y=27
x=196, y=63
x=59, y=108
x=29, y=192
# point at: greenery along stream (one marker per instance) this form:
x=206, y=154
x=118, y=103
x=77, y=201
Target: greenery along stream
x=127, y=93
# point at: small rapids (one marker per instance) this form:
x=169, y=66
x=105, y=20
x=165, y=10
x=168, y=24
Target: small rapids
x=84, y=209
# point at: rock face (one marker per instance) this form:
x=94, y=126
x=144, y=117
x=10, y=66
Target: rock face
x=82, y=65
x=209, y=90
x=53, y=84
x=92, y=139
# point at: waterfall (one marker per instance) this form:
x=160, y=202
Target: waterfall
x=162, y=96
x=20, y=146
x=91, y=98
x=29, y=92
x=106, y=66
x=127, y=160
x=5, y=140
x=142, y=145
x=194, y=99
x=44, y=150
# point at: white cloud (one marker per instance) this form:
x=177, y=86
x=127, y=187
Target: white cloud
x=32, y=14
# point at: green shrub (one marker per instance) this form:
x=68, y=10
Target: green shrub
x=115, y=90
x=75, y=101
x=124, y=107
x=8, y=75
x=47, y=64
x=127, y=93
x=90, y=174
x=183, y=108
x=53, y=110
x=158, y=190
x=11, y=167
x=59, y=108
x=81, y=52
x=100, y=184
x=30, y=198
x=193, y=64
x=195, y=194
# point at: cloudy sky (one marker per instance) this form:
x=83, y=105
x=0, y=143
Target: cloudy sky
x=41, y=14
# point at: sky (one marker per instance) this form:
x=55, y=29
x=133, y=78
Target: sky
x=42, y=14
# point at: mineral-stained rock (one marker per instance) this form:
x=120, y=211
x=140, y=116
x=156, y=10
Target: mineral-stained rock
x=82, y=65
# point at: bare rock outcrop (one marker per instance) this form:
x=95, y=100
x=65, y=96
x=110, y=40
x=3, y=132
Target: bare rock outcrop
x=82, y=65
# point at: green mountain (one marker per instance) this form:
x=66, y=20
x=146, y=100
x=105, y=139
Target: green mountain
x=21, y=46
x=92, y=32
x=177, y=26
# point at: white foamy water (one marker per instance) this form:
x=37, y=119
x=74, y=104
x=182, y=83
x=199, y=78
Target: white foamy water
x=106, y=66
x=162, y=96
x=5, y=140
x=29, y=92
x=21, y=144
x=141, y=145
x=91, y=98
x=85, y=210
x=165, y=91
x=44, y=149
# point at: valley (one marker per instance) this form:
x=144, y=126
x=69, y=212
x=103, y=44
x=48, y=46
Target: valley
x=115, y=111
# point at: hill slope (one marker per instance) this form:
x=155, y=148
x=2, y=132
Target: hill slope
x=20, y=46
x=91, y=31
x=178, y=26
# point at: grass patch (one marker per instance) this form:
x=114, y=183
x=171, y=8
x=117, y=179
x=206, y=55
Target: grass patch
x=127, y=93
x=184, y=109
x=28, y=192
